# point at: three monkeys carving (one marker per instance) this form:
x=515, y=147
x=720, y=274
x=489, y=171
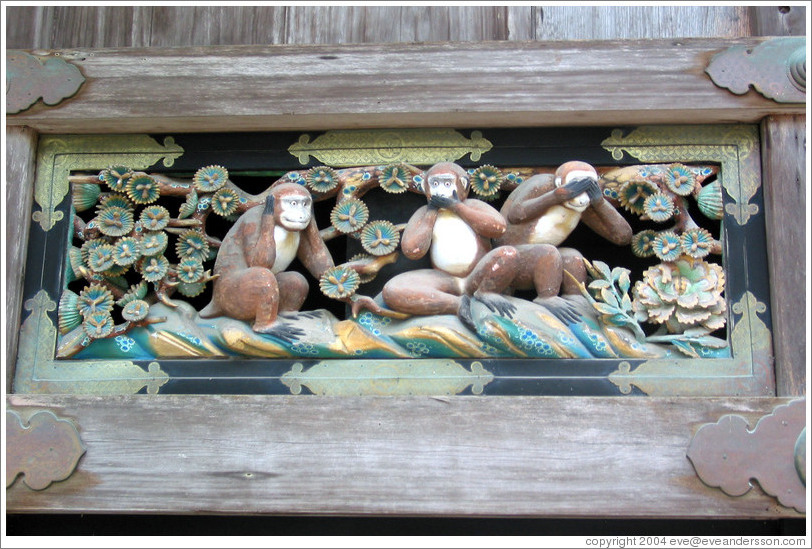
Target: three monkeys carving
x=476, y=251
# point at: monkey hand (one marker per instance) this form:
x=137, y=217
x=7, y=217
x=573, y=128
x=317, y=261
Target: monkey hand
x=574, y=188
x=269, y=205
x=594, y=193
x=446, y=202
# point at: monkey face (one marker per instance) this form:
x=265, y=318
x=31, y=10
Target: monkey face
x=294, y=210
x=445, y=178
x=573, y=171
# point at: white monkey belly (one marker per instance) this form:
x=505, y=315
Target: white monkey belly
x=287, y=244
x=554, y=226
x=454, y=244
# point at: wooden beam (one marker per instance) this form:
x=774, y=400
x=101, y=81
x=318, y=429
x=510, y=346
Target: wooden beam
x=783, y=147
x=509, y=84
x=460, y=456
x=21, y=149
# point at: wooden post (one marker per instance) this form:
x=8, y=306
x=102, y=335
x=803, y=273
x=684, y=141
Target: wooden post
x=784, y=166
x=21, y=148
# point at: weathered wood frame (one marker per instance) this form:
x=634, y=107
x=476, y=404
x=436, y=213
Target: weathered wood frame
x=511, y=456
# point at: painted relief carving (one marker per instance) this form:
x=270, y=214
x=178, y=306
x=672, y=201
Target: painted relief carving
x=198, y=266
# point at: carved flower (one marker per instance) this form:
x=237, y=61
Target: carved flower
x=680, y=179
x=84, y=195
x=225, y=202
x=135, y=310
x=349, y=215
x=659, y=207
x=486, y=180
x=339, y=282
x=115, y=221
x=95, y=299
x=126, y=251
x=633, y=194
x=69, y=315
x=154, y=243
x=189, y=206
x=395, y=178
x=710, y=201
x=88, y=247
x=210, y=178
x=667, y=246
x=682, y=294
x=115, y=271
x=154, y=268
x=380, y=237
x=192, y=245
x=100, y=258
x=142, y=189
x=116, y=177
x=154, y=218
x=136, y=291
x=322, y=179
x=190, y=270
x=98, y=325
x=696, y=242
x=643, y=243
x=115, y=200
x=192, y=289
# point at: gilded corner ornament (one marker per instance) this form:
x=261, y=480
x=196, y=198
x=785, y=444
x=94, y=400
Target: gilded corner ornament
x=58, y=155
x=43, y=448
x=734, y=146
x=342, y=148
x=728, y=454
x=38, y=371
x=775, y=68
x=30, y=78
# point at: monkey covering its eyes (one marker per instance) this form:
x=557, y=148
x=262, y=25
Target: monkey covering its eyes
x=541, y=213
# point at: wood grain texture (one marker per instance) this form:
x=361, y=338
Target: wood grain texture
x=784, y=167
x=633, y=22
x=64, y=27
x=244, y=88
x=463, y=456
x=21, y=147
x=778, y=20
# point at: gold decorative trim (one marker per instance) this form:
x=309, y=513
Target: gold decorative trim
x=342, y=148
x=747, y=373
x=735, y=147
x=373, y=377
x=58, y=155
x=39, y=372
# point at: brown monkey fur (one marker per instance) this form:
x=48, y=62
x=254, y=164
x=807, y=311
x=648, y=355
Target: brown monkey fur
x=542, y=212
x=253, y=284
x=455, y=231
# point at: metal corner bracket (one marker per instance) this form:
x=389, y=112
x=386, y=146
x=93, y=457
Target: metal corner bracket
x=776, y=69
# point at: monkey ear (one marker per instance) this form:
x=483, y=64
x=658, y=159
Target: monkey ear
x=558, y=181
x=465, y=182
